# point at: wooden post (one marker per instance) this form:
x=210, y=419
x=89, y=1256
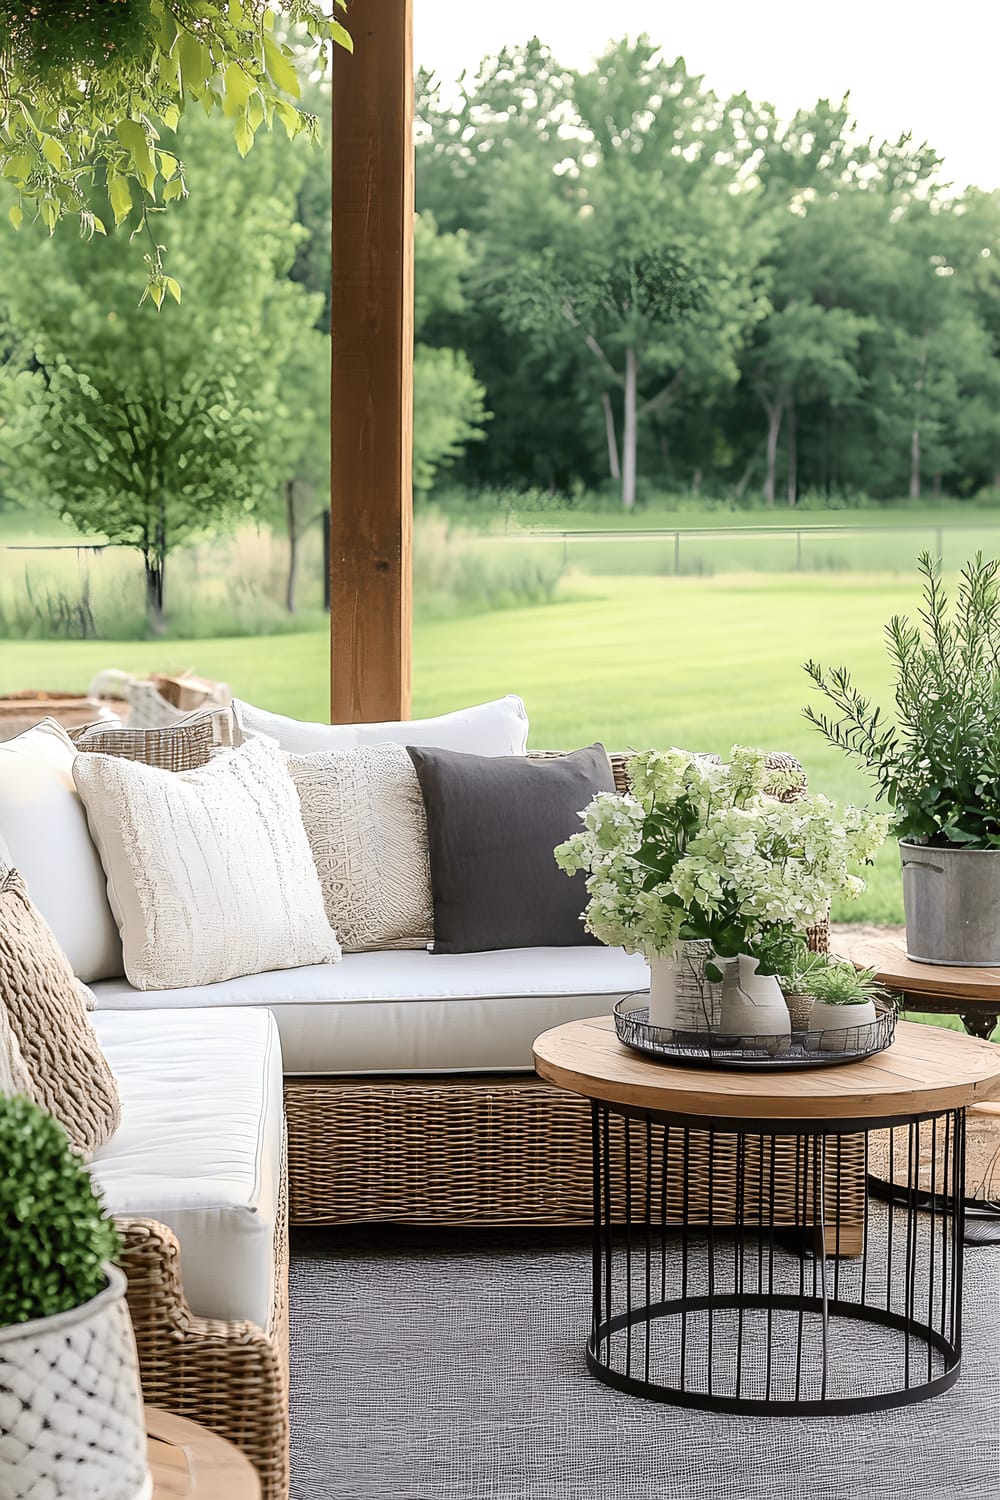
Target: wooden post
x=372, y=367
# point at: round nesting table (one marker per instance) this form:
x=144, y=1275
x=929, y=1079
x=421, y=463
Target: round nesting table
x=972, y=993
x=699, y=1173
x=187, y=1459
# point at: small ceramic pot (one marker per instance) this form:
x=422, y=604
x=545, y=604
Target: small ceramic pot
x=837, y=1025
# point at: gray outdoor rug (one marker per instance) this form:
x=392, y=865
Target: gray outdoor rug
x=450, y=1366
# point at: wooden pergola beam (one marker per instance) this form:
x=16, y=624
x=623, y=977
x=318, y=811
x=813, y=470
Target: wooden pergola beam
x=372, y=367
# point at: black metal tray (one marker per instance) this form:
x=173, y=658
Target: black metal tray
x=802, y=1049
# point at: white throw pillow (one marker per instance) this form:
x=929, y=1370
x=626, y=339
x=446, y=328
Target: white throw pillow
x=44, y=834
x=209, y=871
x=497, y=728
x=364, y=816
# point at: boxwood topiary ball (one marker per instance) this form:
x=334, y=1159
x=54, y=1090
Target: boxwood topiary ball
x=54, y=1234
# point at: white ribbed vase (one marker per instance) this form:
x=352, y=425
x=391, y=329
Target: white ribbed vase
x=752, y=1003
x=71, y=1417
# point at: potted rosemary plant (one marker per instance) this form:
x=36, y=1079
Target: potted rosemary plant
x=700, y=853
x=936, y=761
x=71, y=1418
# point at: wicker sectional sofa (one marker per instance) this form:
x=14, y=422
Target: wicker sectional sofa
x=391, y=1086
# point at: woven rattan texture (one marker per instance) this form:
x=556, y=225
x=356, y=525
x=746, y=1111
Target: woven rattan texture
x=232, y=1377
x=69, y=1073
x=508, y=1150
x=180, y=747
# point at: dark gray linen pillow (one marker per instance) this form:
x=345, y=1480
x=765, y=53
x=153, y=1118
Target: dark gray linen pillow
x=493, y=822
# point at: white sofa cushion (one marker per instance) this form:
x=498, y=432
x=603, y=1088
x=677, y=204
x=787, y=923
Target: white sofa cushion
x=209, y=872
x=497, y=728
x=43, y=832
x=418, y=1012
x=365, y=821
x=200, y=1145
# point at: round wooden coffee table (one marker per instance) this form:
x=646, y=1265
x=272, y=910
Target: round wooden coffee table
x=188, y=1460
x=713, y=1312
x=973, y=994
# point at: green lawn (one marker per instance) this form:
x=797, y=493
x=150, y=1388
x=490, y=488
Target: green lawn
x=630, y=661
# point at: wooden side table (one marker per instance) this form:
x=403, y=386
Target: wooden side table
x=716, y=1314
x=188, y=1460
x=973, y=994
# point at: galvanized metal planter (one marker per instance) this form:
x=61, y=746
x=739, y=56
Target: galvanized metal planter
x=951, y=901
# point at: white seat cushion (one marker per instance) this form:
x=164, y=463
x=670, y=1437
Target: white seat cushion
x=417, y=1012
x=200, y=1145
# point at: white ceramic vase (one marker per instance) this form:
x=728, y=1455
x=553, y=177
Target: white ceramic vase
x=836, y=1025
x=71, y=1417
x=662, y=992
x=752, y=1003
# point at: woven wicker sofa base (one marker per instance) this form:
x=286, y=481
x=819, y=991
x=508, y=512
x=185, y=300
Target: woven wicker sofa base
x=231, y=1376
x=511, y=1149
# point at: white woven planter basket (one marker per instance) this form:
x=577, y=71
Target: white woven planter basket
x=71, y=1418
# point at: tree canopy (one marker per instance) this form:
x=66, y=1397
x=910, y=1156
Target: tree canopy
x=669, y=289
x=88, y=89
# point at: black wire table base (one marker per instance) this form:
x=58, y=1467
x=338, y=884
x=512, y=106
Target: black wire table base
x=715, y=1278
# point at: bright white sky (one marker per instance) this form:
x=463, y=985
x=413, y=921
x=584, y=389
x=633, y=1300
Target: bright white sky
x=919, y=65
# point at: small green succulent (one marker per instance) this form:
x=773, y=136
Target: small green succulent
x=800, y=969
x=838, y=983
x=54, y=1233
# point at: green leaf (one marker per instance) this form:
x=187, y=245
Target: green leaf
x=16, y=215
x=195, y=64
x=341, y=36
x=243, y=135
x=280, y=69
x=131, y=135
x=54, y=153
x=120, y=195
x=289, y=117
x=239, y=86
x=172, y=287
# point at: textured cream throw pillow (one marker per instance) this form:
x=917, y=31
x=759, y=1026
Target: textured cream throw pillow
x=209, y=872
x=365, y=819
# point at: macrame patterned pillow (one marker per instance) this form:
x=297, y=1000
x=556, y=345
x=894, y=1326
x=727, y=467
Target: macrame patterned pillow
x=69, y=1073
x=367, y=829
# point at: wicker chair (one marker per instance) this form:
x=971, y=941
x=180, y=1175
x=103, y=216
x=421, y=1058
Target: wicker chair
x=495, y=1150
x=230, y=1376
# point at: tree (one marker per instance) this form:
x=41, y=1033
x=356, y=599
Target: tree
x=448, y=400
x=151, y=431
x=806, y=351
x=633, y=246
x=74, y=151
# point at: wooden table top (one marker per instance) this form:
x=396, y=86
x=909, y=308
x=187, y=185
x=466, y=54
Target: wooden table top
x=188, y=1460
x=927, y=1069
x=887, y=956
